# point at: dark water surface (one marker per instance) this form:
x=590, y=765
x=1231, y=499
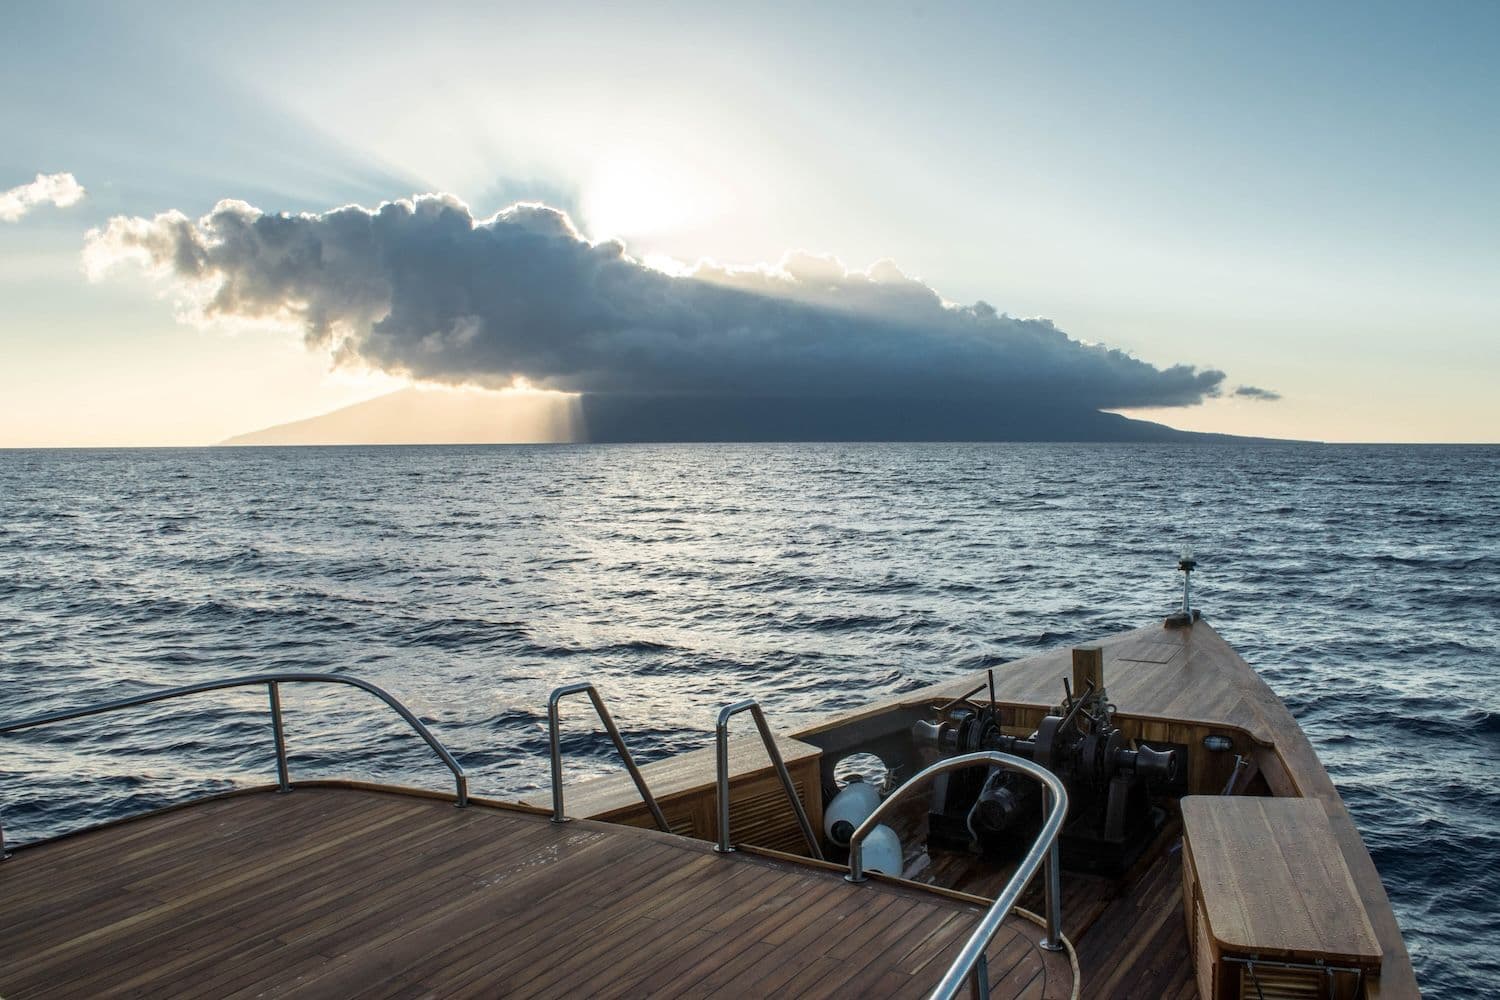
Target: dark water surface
x=1362, y=582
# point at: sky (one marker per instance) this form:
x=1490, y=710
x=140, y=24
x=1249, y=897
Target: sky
x=1260, y=219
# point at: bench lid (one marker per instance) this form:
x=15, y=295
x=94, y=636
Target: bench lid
x=1274, y=881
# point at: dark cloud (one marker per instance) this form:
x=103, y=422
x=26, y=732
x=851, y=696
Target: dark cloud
x=504, y=191
x=423, y=288
x=1255, y=392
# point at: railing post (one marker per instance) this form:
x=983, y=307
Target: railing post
x=283, y=779
x=721, y=739
x=554, y=741
x=1053, y=884
x=979, y=986
x=554, y=744
x=721, y=783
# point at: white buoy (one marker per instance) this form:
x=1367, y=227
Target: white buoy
x=882, y=851
x=849, y=808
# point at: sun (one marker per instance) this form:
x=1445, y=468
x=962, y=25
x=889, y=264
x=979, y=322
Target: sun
x=635, y=195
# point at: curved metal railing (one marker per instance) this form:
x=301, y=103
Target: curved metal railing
x=721, y=773
x=273, y=684
x=970, y=963
x=554, y=740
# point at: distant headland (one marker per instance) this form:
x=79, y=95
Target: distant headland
x=440, y=416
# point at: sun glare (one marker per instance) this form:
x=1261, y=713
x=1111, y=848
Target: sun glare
x=631, y=196
x=667, y=265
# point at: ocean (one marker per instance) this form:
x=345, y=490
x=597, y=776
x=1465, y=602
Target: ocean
x=1362, y=582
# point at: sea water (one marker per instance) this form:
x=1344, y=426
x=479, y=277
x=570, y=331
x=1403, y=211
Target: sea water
x=1362, y=582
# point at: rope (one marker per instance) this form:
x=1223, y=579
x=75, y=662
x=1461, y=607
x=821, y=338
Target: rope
x=1072, y=955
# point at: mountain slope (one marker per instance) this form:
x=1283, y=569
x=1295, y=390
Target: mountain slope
x=432, y=416
x=442, y=416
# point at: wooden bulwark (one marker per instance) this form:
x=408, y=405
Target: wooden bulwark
x=342, y=891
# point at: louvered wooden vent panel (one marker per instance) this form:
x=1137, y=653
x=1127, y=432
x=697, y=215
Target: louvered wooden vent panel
x=1281, y=984
x=681, y=820
x=761, y=815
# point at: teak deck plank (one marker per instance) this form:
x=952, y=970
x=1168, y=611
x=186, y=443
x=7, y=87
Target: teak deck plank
x=133, y=934
x=343, y=891
x=719, y=966
x=515, y=961
x=1138, y=945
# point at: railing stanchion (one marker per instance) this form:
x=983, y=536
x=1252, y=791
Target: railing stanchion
x=721, y=741
x=1053, y=886
x=554, y=741
x=278, y=732
x=721, y=781
x=554, y=747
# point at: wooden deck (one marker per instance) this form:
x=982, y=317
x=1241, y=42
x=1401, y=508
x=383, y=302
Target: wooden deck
x=1162, y=679
x=1137, y=946
x=342, y=891
x=1129, y=931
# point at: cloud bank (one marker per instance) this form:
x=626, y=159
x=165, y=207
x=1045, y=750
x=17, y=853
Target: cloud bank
x=424, y=289
x=1255, y=392
x=61, y=190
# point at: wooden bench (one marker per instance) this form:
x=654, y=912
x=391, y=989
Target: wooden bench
x=1270, y=905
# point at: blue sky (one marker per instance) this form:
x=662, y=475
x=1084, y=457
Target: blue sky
x=1304, y=198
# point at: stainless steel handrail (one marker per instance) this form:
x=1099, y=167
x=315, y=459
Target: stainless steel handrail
x=273, y=684
x=721, y=739
x=970, y=963
x=614, y=734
